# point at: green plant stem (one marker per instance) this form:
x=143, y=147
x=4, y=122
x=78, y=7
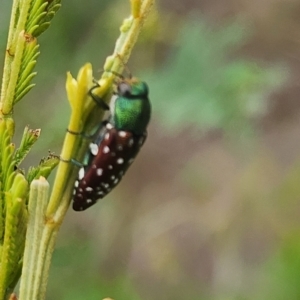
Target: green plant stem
x=5, y=259
x=8, y=54
x=130, y=31
x=38, y=198
x=17, y=39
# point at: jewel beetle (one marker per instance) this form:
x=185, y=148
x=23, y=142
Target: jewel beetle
x=116, y=144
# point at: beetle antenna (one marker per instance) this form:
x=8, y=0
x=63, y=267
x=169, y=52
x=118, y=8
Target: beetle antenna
x=125, y=66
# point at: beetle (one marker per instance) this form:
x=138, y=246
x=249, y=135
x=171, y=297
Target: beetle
x=116, y=143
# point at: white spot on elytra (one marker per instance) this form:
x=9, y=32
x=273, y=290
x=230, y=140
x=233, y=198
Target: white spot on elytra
x=81, y=173
x=110, y=167
x=105, y=185
x=80, y=190
x=141, y=141
x=120, y=161
x=76, y=183
x=106, y=137
x=120, y=147
x=116, y=181
x=100, y=193
x=89, y=189
x=89, y=201
x=112, y=177
x=99, y=171
x=94, y=148
x=106, y=149
x=122, y=133
x=131, y=160
x=130, y=142
x=121, y=173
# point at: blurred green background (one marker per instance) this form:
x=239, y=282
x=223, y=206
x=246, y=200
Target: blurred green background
x=210, y=209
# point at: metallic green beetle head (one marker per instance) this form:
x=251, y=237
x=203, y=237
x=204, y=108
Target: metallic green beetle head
x=132, y=106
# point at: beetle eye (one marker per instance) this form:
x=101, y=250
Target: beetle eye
x=124, y=89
